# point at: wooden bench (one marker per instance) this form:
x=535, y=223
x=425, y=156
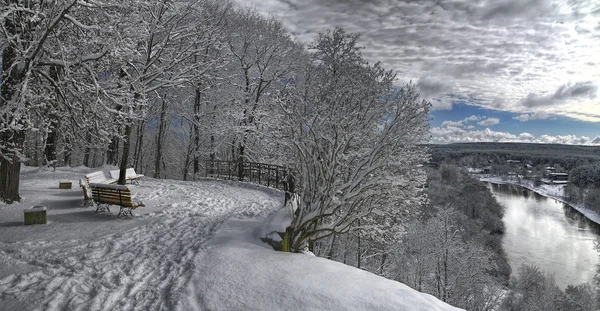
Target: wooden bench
x=106, y=195
x=130, y=175
x=98, y=178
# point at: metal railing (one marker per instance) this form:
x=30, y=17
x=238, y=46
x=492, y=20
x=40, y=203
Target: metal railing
x=269, y=175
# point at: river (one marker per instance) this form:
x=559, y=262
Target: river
x=549, y=234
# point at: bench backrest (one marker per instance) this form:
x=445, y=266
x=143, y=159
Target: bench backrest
x=95, y=177
x=129, y=173
x=114, y=174
x=111, y=194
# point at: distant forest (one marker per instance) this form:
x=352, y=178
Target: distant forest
x=567, y=156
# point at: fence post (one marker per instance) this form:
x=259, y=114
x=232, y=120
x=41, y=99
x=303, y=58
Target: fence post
x=259, y=172
x=268, y=176
x=289, y=186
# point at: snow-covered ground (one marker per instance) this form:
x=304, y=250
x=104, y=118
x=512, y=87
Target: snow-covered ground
x=552, y=191
x=195, y=246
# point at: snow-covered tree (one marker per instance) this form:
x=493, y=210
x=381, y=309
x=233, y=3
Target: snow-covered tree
x=262, y=57
x=51, y=53
x=433, y=257
x=352, y=139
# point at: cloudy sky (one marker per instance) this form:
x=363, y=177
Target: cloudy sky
x=494, y=70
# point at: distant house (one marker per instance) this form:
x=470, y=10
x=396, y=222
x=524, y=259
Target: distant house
x=431, y=164
x=513, y=162
x=487, y=170
x=550, y=168
x=556, y=178
x=473, y=170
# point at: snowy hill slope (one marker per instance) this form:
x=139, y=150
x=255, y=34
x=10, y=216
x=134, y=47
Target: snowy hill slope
x=239, y=272
x=193, y=247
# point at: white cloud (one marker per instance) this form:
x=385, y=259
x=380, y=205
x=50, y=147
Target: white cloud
x=526, y=137
x=474, y=118
x=463, y=122
x=489, y=122
x=440, y=104
x=538, y=115
x=452, y=123
x=455, y=134
x=523, y=117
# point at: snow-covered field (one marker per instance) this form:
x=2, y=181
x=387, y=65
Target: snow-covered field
x=195, y=246
x=552, y=191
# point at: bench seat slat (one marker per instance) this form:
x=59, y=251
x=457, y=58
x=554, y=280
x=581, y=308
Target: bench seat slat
x=110, y=197
x=115, y=202
x=112, y=191
x=105, y=186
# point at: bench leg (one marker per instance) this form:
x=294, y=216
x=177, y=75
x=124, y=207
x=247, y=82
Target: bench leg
x=100, y=208
x=88, y=202
x=125, y=212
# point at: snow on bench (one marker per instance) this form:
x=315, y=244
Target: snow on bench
x=130, y=175
x=87, y=192
x=98, y=178
x=105, y=195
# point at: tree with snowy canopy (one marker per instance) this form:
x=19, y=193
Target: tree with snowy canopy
x=353, y=140
x=51, y=52
x=86, y=69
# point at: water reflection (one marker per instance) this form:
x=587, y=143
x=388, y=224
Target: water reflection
x=548, y=234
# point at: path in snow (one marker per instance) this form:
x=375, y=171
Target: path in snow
x=142, y=268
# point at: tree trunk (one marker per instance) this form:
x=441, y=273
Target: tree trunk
x=68, y=150
x=36, y=153
x=330, y=247
x=50, y=148
x=197, y=133
x=137, y=157
x=86, y=156
x=54, y=121
x=240, y=163
x=212, y=147
x=358, y=252
x=125, y=156
x=159, y=138
x=286, y=243
x=113, y=151
x=12, y=140
x=186, y=163
x=382, y=263
x=212, y=136
x=10, y=172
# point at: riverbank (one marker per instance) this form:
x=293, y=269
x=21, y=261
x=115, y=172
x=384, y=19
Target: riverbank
x=555, y=192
